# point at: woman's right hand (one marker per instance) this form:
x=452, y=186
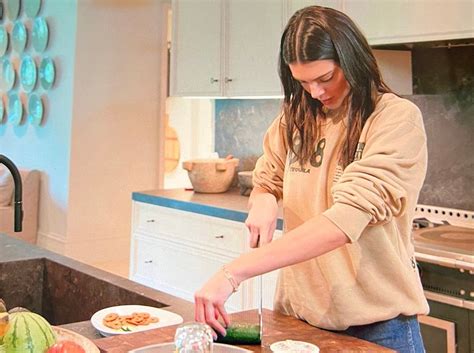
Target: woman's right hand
x=262, y=217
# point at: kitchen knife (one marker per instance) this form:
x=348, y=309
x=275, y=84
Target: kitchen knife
x=260, y=306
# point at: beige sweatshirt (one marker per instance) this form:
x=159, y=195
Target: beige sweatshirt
x=373, y=277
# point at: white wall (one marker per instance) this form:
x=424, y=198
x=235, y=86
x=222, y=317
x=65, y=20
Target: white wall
x=47, y=147
x=114, y=144
x=100, y=139
x=193, y=121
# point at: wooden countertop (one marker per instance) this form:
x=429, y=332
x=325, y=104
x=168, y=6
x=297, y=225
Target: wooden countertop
x=277, y=327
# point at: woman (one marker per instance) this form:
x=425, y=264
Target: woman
x=347, y=158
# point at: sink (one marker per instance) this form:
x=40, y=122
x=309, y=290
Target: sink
x=59, y=293
x=170, y=348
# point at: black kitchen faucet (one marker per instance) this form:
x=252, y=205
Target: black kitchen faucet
x=18, y=191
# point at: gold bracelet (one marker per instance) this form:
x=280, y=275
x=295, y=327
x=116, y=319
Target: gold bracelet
x=233, y=283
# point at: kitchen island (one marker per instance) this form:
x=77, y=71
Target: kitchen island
x=106, y=289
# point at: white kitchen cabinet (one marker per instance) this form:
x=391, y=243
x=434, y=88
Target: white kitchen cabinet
x=403, y=21
x=196, y=48
x=295, y=5
x=407, y=21
x=226, y=48
x=177, y=251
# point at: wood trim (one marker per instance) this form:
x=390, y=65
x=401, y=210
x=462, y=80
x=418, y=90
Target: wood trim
x=163, y=88
x=444, y=325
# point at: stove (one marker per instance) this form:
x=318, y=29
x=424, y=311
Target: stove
x=445, y=234
x=444, y=249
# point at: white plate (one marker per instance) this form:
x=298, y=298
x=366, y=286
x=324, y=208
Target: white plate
x=167, y=318
x=290, y=346
x=19, y=37
x=169, y=347
x=40, y=34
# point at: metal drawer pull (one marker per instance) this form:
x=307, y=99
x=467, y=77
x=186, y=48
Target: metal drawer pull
x=148, y=261
x=228, y=79
x=150, y=221
x=219, y=237
x=214, y=80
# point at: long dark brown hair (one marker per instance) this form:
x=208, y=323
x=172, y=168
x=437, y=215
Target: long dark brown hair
x=320, y=33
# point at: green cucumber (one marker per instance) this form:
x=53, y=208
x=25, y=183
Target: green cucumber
x=241, y=334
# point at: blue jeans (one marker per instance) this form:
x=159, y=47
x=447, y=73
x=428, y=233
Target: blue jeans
x=401, y=334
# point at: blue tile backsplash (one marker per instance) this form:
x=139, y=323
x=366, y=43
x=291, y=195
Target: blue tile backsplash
x=240, y=125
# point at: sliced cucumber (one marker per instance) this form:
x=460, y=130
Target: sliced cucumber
x=241, y=334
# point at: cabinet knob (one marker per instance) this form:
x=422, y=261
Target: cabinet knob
x=150, y=221
x=219, y=237
x=228, y=79
x=148, y=261
x=214, y=80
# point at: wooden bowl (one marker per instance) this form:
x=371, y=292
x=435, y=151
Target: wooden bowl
x=63, y=334
x=211, y=175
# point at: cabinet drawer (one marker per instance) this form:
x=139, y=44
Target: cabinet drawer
x=210, y=233
x=143, y=266
x=181, y=270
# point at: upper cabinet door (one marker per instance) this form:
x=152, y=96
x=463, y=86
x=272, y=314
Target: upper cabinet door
x=196, y=48
x=253, y=30
x=295, y=5
x=406, y=21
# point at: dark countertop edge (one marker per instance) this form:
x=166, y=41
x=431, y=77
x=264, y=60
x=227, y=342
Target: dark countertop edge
x=12, y=249
x=194, y=207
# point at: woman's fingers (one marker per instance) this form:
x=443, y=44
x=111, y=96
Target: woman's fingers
x=211, y=319
x=221, y=310
x=199, y=315
x=254, y=235
x=260, y=235
x=265, y=235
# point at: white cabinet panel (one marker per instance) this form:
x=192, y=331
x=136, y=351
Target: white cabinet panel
x=143, y=265
x=253, y=30
x=205, y=232
x=405, y=21
x=196, y=48
x=177, y=251
x=226, y=48
x=181, y=270
x=295, y=5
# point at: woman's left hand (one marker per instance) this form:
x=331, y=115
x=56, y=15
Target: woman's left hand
x=209, y=302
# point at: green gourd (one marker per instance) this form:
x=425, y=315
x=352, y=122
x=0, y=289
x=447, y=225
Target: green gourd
x=27, y=333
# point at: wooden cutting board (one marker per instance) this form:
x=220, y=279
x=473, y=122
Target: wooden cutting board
x=172, y=149
x=277, y=327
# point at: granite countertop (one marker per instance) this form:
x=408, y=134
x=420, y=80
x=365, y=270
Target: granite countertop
x=23, y=283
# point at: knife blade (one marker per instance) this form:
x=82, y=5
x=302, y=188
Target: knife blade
x=260, y=303
x=260, y=307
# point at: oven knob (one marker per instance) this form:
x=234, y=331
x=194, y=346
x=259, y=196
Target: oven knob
x=471, y=294
x=471, y=272
x=462, y=292
x=461, y=270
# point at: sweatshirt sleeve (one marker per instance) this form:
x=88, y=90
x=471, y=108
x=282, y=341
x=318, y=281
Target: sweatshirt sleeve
x=270, y=167
x=374, y=189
